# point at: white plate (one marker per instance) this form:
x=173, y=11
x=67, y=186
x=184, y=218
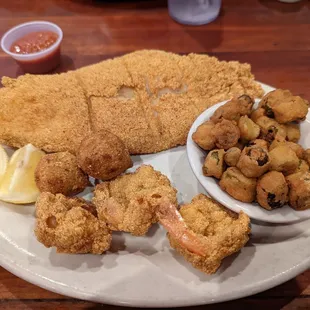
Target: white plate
x=147, y=272
x=197, y=156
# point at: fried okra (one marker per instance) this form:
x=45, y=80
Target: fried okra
x=203, y=136
x=284, y=107
x=233, y=109
x=226, y=134
x=294, y=146
x=283, y=159
x=302, y=166
x=59, y=173
x=214, y=164
x=248, y=129
x=272, y=190
x=238, y=185
x=306, y=156
x=292, y=132
x=257, y=113
x=299, y=184
x=254, y=161
x=232, y=156
x=259, y=142
x=270, y=129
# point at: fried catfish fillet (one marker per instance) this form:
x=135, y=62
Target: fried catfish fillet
x=129, y=202
x=48, y=111
x=71, y=225
x=205, y=232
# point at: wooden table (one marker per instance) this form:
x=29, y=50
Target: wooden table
x=272, y=36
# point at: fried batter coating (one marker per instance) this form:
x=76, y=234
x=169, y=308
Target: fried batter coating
x=270, y=129
x=203, y=136
x=248, y=129
x=299, y=184
x=254, y=161
x=226, y=134
x=233, y=109
x=259, y=142
x=283, y=159
x=294, y=146
x=257, y=113
x=103, y=155
x=70, y=224
x=272, y=190
x=221, y=231
x=129, y=202
x=284, y=107
x=293, y=132
x=306, y=156
x=232, y=156
x=214, y=164
x=302, y=166
x=60, y=173
x=238, y=185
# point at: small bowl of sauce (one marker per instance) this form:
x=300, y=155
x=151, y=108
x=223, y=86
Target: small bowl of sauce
x=35, y=46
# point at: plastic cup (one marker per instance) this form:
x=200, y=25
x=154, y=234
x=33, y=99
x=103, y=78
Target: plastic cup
x=194, y=12
x=40, y=62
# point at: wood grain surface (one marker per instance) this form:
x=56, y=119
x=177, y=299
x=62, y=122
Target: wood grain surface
x=272, y=36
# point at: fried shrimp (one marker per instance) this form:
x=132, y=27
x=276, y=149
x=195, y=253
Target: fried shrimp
x=204, y=232
x=70, y=224
x=128, y=203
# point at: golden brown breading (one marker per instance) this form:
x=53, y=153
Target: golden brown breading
x=297, y=148
x=204, y=137
x=233, y=109
x=238, y=185
x=272, y=190
x=232, y=156
x=103, y=155
x=214, y=164
x=299, y=196
x=293, y=132
x=223, y=231
x=129, y=202
x=48, y=111
x=210, y=81
x=147, y=98
x=59, y=173
x=226, y=134
x=248, y=129
x=71, y=225
x=284, y=107
x=283, y=159
x=254, y=161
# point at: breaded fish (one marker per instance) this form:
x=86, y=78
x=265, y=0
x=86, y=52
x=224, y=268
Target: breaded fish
x=148, y=98
x=49, y=111
x=129, y=202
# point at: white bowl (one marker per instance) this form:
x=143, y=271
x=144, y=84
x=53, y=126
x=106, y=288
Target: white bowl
x=196, y=158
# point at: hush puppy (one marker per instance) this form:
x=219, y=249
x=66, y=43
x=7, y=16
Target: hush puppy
x=103, y=155
x=60, y=173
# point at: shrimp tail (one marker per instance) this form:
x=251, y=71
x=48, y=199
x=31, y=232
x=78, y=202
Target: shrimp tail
x=171, y=219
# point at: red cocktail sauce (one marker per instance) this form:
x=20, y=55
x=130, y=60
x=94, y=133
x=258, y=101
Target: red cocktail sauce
x=35, y=42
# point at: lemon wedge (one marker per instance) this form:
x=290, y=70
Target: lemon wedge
x=3, y=162
x=18, y=183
